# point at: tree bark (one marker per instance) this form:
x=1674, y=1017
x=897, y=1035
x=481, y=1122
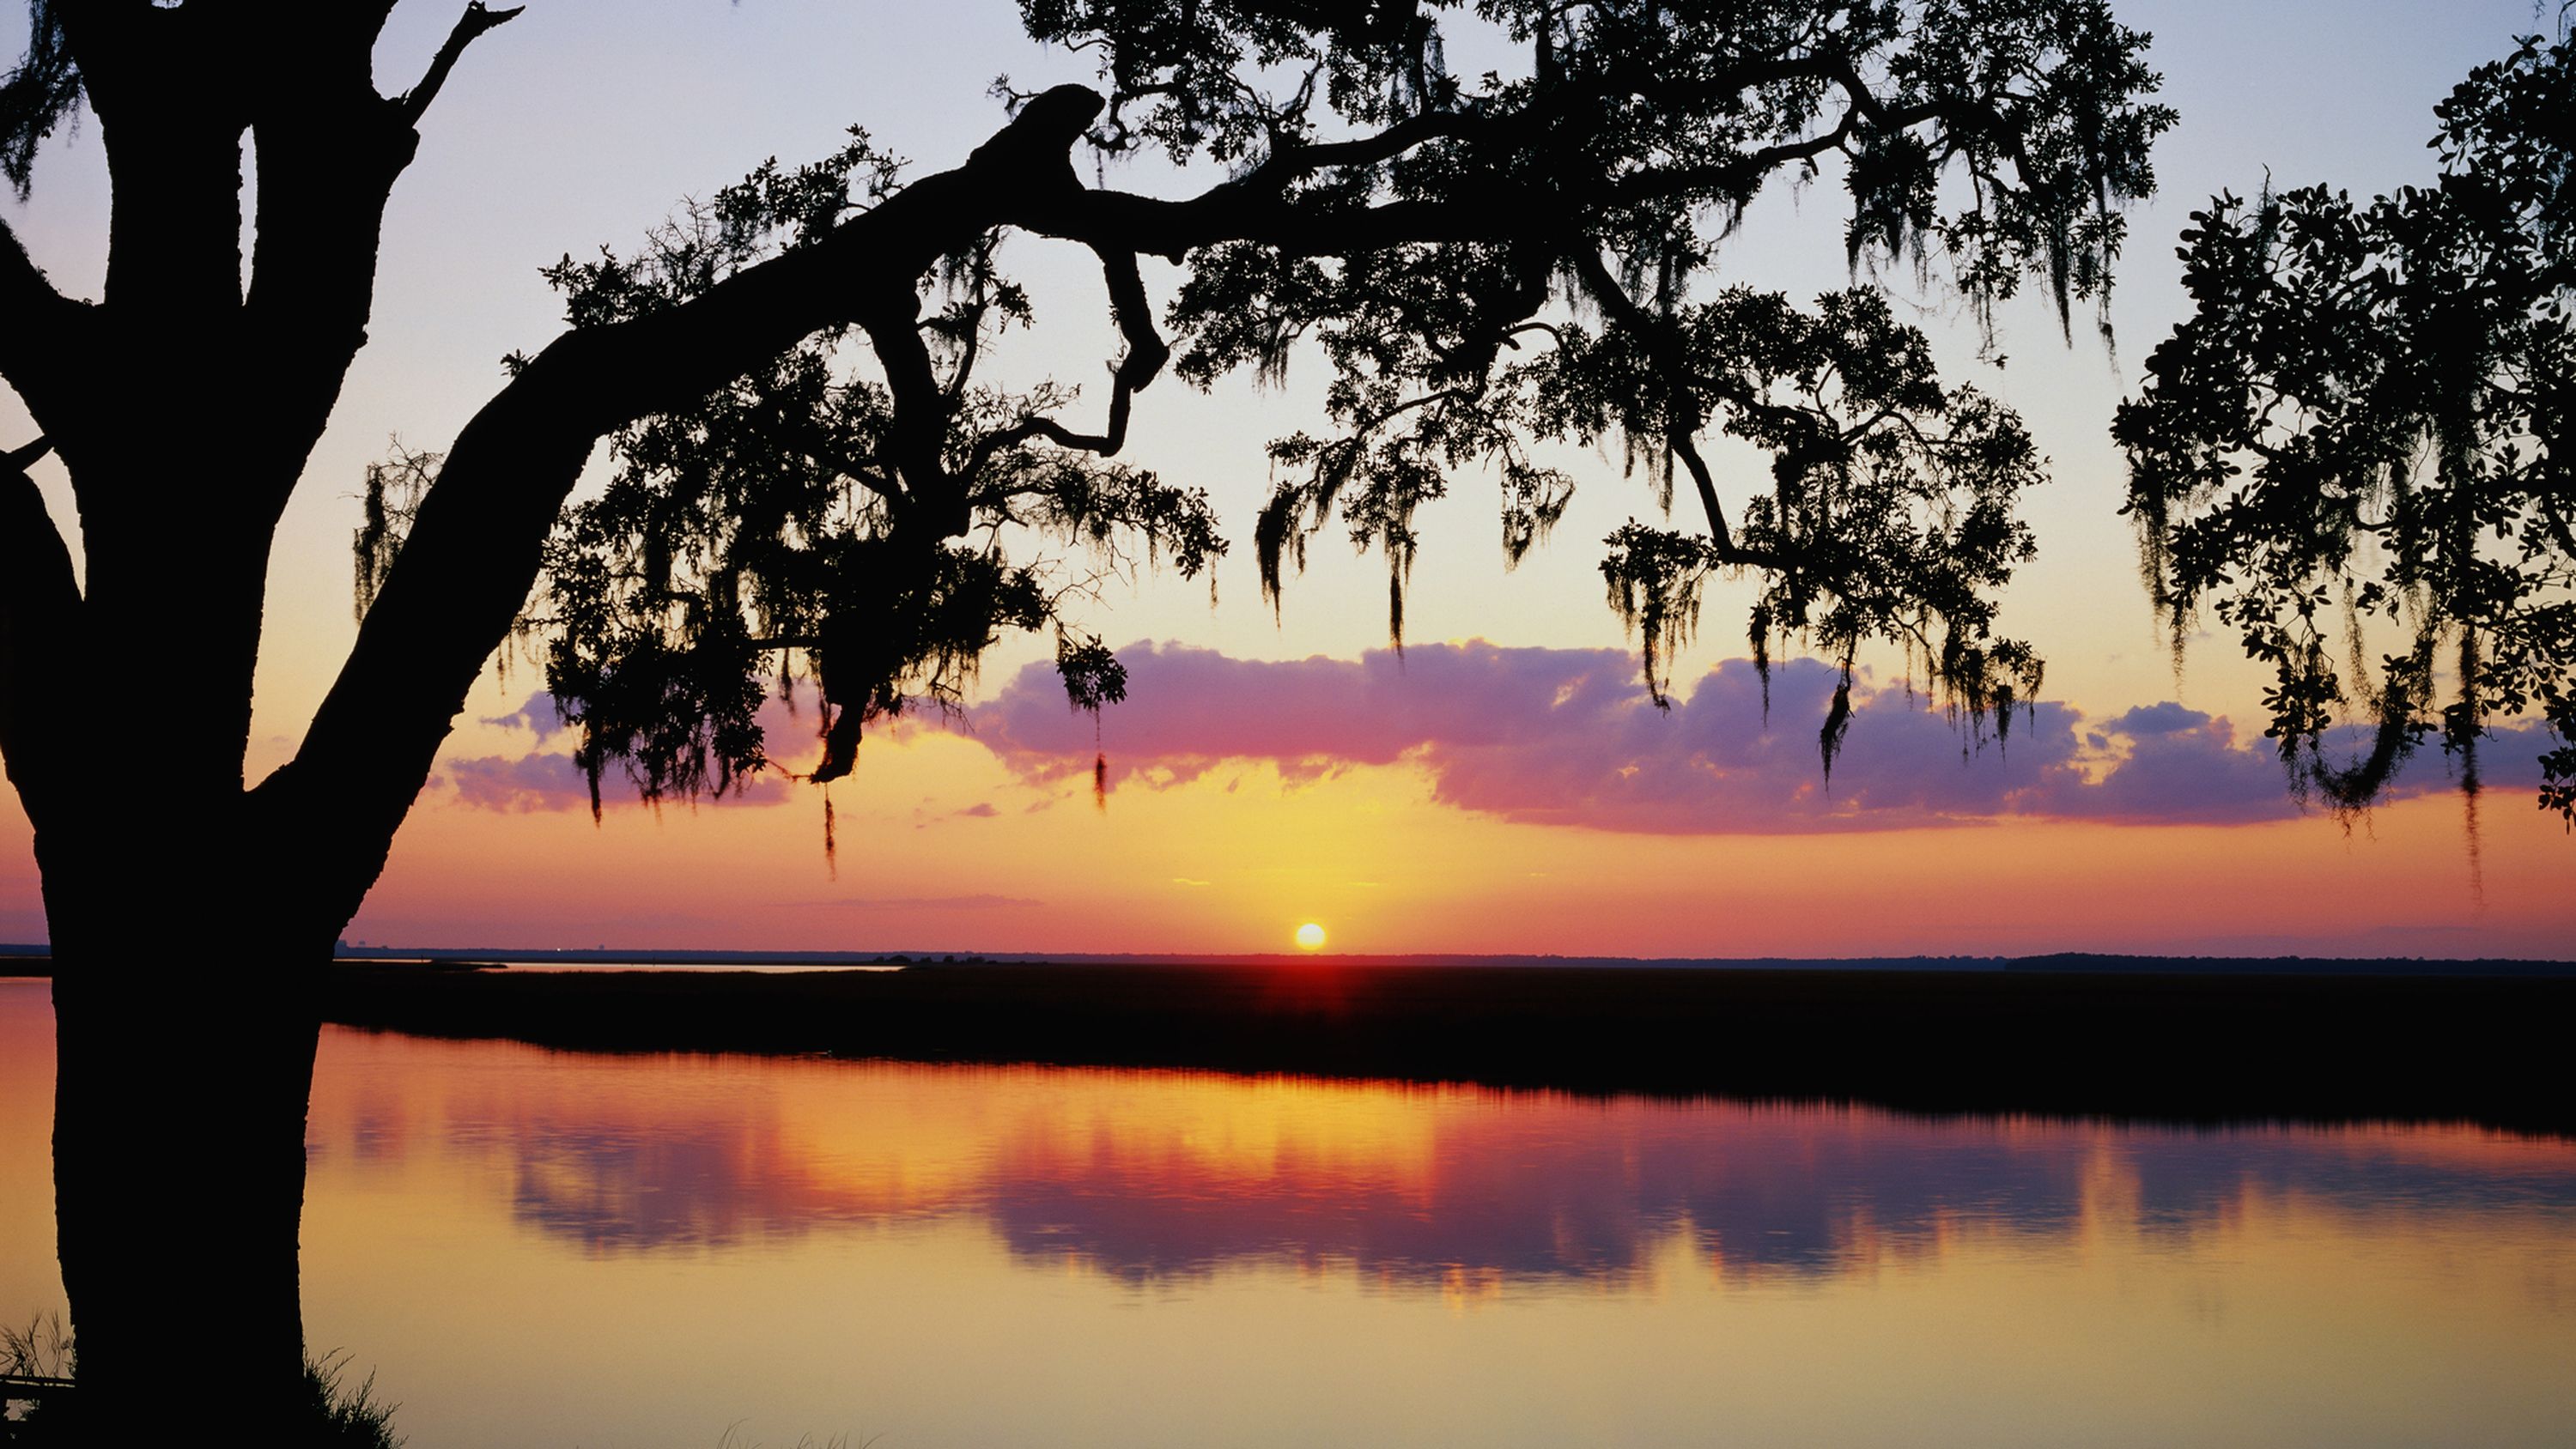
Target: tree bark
x=185, y=946
x=179, y=1111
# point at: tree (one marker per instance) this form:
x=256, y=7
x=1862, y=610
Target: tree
x=811, y=481
x=2360, y=440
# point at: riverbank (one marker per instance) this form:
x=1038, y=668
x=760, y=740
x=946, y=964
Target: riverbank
x=2197, y=1046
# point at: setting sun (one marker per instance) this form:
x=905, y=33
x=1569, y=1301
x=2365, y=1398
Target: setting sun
x=1310, y=937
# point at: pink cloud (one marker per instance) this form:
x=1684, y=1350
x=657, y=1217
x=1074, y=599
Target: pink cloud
x=1569, y=737
x=518, y=786
x=544, y=782
x=538, y=714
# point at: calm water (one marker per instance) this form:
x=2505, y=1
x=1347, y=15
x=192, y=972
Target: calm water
x=550, y=1249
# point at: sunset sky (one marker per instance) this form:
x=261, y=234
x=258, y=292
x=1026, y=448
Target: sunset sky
x=1502, y=786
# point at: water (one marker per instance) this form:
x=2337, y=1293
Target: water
x=544, y=1248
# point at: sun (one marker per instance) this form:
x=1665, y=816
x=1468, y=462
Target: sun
x=1310, y=937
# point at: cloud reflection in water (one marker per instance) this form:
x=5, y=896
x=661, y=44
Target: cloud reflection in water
x=1158, y=1177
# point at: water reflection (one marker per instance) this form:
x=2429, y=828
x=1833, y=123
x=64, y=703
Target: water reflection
x=1152, y=1177
x=533, y=1248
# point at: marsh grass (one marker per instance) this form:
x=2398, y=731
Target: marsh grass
x=339, y=1416
x=838, y=1441
x=336, y=1416
x=344, y=1418
x=41, y=1348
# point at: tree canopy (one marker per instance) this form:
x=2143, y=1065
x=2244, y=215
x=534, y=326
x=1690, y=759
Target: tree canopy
x=1484, y=263
x=814, y=475
x=2359, y=440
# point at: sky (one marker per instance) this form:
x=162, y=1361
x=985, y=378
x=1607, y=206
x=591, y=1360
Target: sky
x=1504, y=785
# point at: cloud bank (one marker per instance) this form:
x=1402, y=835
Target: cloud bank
x=1569, y=737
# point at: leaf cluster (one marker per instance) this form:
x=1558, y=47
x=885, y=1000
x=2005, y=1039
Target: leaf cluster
x=37, y=94
x=2359, y=442
x=769, y=211
x=1484, y=263
x=1645, y=126
x=1892, y=510
x=1590, y=195
x=782, y=531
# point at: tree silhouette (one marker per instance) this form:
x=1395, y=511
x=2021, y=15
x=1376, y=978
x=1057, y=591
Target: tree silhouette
x=811, y=480
x=2360, y=440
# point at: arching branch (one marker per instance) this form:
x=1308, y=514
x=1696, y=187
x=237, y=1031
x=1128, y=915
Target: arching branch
x=1146, y=354
x=41, y=332
x=477, y=19
x=474, y=549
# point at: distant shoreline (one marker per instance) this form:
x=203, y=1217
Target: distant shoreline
x=2178, y=1045
x=471, y=957
x=2208, y=1039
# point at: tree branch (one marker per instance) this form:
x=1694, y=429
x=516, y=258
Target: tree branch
x=1681, y=411
x=475, y=545
x=330, y=150
x=39, y=326
x=172, y=87
x=370, y=16
x=1146, y=354
x=470, y=27
x=1283, y=166
x=920, y=422
x=24, y=289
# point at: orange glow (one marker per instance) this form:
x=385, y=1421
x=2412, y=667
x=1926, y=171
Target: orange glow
x=942, y=848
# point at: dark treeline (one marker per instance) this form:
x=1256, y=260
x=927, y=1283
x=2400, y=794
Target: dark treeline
x=2175, y=1046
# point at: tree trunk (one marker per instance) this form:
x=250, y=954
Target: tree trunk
x=179, y=1111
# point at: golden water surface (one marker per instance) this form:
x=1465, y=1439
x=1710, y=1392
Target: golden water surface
x=543, y=1248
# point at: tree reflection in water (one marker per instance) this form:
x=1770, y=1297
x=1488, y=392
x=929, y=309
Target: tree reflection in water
x=1150, y=1176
